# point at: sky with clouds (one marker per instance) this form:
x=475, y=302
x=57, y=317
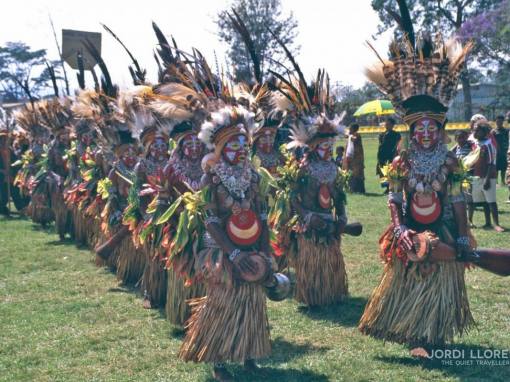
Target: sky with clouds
x=331, y=34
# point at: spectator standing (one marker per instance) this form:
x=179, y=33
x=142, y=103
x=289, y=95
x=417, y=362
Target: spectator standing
x=463, y=147
x=500, y=134
x=388, y=142
x=484, y=174
x=354, y=161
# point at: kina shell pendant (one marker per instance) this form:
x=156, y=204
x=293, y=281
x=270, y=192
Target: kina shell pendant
x=244, y=228
x=324, y=197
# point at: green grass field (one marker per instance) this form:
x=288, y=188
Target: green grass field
x=63, y=319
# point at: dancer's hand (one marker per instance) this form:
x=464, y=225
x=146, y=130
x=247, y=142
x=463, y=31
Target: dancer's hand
x=244, y=264
x=405, y=241
x=464, y=250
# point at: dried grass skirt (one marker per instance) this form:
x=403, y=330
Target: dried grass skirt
x=418, y=310
x=154, y=279
x=229, y=324
x=321, y=278
x=177, y=305
x=63, y=217
x=130, y=262
x=39, y=210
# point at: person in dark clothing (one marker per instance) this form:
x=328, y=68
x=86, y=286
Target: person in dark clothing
x=463, y=147
x=5, y=179
x=339, y=156
x=387, y=150
x=501, y=136
x=354, y=160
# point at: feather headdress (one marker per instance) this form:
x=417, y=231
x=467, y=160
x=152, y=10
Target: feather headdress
x=27, y=118
x=55, y=114
x=421, y=74
x=225, y=123
x=308, y=109
x=175, y=103
x=133, y=107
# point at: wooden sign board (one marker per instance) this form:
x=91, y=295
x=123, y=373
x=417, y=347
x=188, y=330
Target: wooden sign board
x=72, y=43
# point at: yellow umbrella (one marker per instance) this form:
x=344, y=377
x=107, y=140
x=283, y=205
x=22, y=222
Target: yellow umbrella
x=377, y=107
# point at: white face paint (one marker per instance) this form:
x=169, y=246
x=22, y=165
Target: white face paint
x=325, y=149
x=236, y=150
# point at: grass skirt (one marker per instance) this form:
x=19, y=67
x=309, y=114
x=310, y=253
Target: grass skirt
x=177, y=307
x=63, y=217
x=39, y=211
x=321, y=278
x=154, y=279
x=130, y=261
x=229, y=324
x=80, y=226
x=418, y=310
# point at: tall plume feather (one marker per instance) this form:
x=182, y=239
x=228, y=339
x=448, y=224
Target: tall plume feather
x=137, y=73
x=296, y=67
x=107, y=83
x=81, y=71
x=164, y=50
x=51, y=71
x=406, y=23
x=241, y=28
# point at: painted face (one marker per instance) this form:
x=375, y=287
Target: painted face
x=426, y=133
x=325, y=149
x=192, y=148
x=158, y=149
x=86, y=138
x=236, y=150
x=265, y=142
x=129, y=157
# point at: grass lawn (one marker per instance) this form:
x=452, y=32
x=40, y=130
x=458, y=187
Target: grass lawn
x=63, y=319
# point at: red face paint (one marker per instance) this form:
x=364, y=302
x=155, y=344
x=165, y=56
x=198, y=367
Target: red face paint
x=236, y=149
x=129, y=157
x=426, y=133
x=158, y=149
x=192, y=148
x=265, y=142
x=324, y=149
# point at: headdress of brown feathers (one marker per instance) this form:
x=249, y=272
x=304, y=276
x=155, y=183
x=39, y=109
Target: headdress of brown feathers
x=27, y=118
x=133, y=107
x=308, y=109
x=55, y=114
x=421, y=75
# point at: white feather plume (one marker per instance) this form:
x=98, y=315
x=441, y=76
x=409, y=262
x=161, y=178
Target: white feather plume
x=224, y=118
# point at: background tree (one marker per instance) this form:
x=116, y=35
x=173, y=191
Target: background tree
x=447, y=16
x=491, y=32
x=258, y=15
x=349, y=99
x=23, y=71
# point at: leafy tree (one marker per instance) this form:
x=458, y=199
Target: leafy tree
x=258, y=16
x=348, y=99
x=491, y=32
x=23, y=72
x=447, y=16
